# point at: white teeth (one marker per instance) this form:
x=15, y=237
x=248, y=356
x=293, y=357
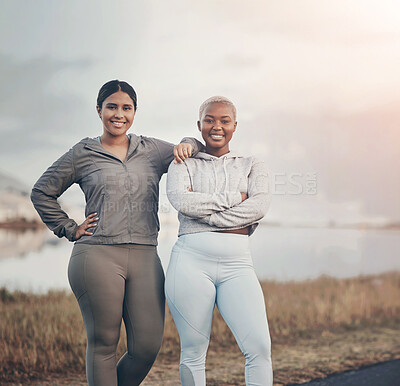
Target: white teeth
x=216, y=136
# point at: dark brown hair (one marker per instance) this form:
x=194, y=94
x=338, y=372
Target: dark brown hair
x=114, y=86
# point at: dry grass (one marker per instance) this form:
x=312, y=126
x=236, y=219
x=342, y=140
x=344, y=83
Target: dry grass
x=44, y=334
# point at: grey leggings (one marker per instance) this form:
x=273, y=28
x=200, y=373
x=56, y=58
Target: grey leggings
x=112, y=282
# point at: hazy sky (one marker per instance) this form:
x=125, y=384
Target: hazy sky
x=316, y=84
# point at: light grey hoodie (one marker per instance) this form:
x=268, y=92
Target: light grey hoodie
x=215, y=202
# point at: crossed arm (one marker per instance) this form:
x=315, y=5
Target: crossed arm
x=223, y=210
x=195, y=204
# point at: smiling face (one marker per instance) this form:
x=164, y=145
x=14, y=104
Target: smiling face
x=117, y=113
x=217, y=125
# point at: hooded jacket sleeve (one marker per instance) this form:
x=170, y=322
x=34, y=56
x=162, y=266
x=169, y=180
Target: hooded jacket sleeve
x=55, y=181
x=250, y=210
x=195, y=204
x=165, y=151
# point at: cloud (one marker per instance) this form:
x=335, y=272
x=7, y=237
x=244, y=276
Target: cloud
x=355, y=156
x=37, y=120
x=316, y=83
x=31, y=110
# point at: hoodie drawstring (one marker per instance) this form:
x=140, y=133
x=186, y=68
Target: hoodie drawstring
x=215, y=174
x=226, y=176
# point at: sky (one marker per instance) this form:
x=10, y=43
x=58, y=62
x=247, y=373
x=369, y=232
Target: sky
x=316, y=85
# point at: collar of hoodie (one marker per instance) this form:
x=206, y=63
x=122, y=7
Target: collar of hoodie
x=95, y=145
x=216, y=174
x=213, y=159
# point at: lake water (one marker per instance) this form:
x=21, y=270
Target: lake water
x=37, y=261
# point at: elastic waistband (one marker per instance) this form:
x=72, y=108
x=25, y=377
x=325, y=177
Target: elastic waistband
x=216, y=236
x=215, y=243
x=127, y=245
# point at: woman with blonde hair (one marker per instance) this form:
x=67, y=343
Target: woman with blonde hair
x=220, y=196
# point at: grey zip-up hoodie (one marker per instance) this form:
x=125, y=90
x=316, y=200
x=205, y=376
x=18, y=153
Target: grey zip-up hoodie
x=124, y=194
x=215, y=202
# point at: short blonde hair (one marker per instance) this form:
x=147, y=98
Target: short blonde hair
x=217, y=99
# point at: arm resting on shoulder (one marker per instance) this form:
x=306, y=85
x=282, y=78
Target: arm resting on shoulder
x=197, y=145
x=166, y=150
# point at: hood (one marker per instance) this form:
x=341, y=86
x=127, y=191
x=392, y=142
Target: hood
x=209, y=157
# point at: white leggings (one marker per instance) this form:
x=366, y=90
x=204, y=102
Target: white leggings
x=211, y=268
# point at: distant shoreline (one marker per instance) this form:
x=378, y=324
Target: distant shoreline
x=360, y=226
x=21, y=225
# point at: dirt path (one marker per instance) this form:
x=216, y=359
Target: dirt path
x=293, y=362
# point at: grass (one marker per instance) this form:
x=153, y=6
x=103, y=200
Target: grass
x=42, y=335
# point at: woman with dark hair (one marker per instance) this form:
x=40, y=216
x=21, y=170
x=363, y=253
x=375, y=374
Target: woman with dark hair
x=220, y=196
x=114, y=270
